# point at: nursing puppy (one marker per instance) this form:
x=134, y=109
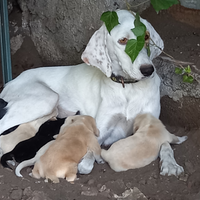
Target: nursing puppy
x=76, y=137
x=27, y=149
x=8, y=140
x=32, y=161
x=141, y=148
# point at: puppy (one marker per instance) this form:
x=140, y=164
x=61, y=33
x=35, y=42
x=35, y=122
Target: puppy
x=32, y=161
x=76, y=137
x=141, y=148
x=27, y=149
x=9, y=139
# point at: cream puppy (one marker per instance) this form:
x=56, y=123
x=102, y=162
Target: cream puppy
x=141, y=148
x=76, y=137
x=23, y=132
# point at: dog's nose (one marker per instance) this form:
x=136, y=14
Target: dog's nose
x=147, y=70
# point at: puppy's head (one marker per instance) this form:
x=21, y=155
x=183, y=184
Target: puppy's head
x=144, y=120
x=83, y=119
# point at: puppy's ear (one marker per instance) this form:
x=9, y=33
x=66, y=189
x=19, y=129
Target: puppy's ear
x=96, y=53
x=155, y=51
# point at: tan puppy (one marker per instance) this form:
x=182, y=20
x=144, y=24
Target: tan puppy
x=23, y=132
x=141, y=148
x=76, y=137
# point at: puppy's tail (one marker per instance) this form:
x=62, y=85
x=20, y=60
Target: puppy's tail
x=104, y=155
x=5, y=158
x=24, y=164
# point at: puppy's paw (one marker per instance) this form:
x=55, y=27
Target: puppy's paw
x=100, y=161
x=170, y=168
x=11, y=162
x=31, y=175
x=182, y=139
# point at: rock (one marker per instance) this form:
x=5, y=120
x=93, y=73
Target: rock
x=90, y=192
x=38, y=195
x=183, y=177
x=103, y=188
x=27, y=191
x=179, y=101
x=120, y=183
x=131, y=194
x=106, y=193
x=15, y=43
x=16, y=194
x=68, y=28
x=90, y=182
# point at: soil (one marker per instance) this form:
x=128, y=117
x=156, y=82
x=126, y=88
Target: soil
x=182, y=40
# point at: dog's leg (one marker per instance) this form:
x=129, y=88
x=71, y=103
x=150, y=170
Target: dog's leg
x=96, y=149
x=87, y=163
x=177, y=140
x=168, y=165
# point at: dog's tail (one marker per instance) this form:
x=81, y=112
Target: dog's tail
x=24, y=164
x=104, y=155
x=5, y=158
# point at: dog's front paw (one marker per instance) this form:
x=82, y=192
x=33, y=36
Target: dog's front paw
x=170, y=168
x=168, y=165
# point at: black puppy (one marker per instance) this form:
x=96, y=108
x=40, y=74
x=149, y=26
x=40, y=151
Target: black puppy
x=27, y=149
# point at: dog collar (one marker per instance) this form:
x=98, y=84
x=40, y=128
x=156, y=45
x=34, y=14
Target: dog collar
x=122, y=80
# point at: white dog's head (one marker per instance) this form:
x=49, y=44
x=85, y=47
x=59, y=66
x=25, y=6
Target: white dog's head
x=107, y=51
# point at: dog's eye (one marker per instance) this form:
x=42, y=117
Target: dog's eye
x=147, y=35
x=123, y=41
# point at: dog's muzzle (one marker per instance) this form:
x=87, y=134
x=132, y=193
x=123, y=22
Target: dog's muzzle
x=147, y=70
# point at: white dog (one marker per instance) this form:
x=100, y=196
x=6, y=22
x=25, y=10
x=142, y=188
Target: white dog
x=91, y=90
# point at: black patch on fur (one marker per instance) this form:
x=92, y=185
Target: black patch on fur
x=3, y=110
x=10, y=130
x=77, y=113
x=27, y=149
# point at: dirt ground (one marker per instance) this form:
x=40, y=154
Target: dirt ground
x=183, y=42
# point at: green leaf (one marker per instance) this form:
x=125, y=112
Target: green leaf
x=188, y=79
x=139, y=31
x=187, y=69
x=178, y=70
x=137, y=21
x=133, y=47
x=185, y=78
x=140, y=28
x=163, y=4
x=110, y=19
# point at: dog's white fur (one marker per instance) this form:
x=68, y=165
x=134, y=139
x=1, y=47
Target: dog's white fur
x=23, y=132
x=37, y=92
x=32, y=161
x=141, y=148
x=77, y=136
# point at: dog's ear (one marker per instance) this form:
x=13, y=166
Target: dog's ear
x=96, y=53
x=155, y=37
